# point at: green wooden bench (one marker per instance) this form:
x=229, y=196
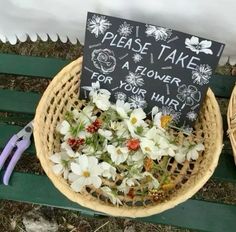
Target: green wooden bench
x=27, y=187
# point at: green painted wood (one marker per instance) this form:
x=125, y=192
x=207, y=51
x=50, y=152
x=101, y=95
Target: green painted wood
x=7, y=131
x=16, y=101
x=193, y=214
x=222, y=85
x=31, y=66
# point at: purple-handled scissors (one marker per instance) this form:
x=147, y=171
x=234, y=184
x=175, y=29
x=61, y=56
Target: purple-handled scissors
x=20, y=141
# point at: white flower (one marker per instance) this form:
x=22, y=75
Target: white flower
x=105, y=133
x=120, y=128
x=64, y=127
x=62, y=163
x=66, y=148
x=118, y=154
x=137, y=101
x=101, y=99
x=156, y=117
x=148, y=147
x=86, y=172
x=85, y=116
x=202, y=74
x=97, y=25
x=153, y=183
x=93, y=88
x=88, y=150
x=193, y=152
x=194, y=45
x=126, y=184
x=159, y=33
x=167, y=110
x=180, y=155
x=122, y=108
x=134, y=79
x=137, y=58
x=108, y=171
x=111, y=195
x=125, y=29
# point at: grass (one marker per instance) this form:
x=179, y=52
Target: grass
x=11, y=213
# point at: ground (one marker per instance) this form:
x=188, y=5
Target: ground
x=12, y=213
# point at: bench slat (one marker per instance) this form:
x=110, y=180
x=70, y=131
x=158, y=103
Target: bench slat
x=7, y=132
x=31, y=66
x=193, y=214
x=16, y=101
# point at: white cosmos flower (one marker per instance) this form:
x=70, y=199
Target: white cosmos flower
x=193, y=152
x=180, y=155
x=126, y=184
x=62, y=163
x=105, y=133
x=85, y=116
x=120, y=128
x=148, y=147
x=154, y=183
x=101, y=99
x=122, y=108
x=88, y=150
x=118, y=154
x=108, y=171
x=156, y=117
x=111, y=195
x=66, y=148
x=194, y=45
x=64, y=127
x=85, y=172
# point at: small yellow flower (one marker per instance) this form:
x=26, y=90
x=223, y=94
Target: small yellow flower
x=165, y=120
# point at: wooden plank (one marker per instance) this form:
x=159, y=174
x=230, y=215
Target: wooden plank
x=31, y=66
x=193, y=214
x=16, y=101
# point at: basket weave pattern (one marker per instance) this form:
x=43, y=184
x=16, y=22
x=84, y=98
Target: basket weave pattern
x=231, y=118
x=187, y=178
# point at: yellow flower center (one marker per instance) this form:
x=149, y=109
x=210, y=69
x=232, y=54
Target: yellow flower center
x=165, y=120
x=133, y=120
x=86, y=174
x=118, y=151
x=147, y=149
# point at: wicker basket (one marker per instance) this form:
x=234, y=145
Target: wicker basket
x=188, y=177
x=231, y=118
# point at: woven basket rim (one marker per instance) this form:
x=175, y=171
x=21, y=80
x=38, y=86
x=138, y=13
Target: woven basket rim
x=231, y=133
x=108, y=209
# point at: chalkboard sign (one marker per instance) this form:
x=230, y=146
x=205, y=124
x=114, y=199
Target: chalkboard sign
x=149, y=65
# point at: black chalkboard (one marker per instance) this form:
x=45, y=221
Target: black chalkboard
x=149, y=65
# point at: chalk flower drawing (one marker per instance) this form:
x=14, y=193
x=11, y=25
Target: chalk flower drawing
x=97, y=25
x=120, y=96
x=134, y=79
x=125, y=29
x=188, y=95
x=104, y=60
x=137, y=101
x=159, y=33
x=202, y=74
x=191, y=115
x=194, y=45
x=137, y=58
x=168, y=110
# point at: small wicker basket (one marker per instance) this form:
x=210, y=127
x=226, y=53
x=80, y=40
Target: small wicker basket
x=188, y=177
x=231, y=118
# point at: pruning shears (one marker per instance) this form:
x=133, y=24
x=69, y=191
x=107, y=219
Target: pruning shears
x=19, y=143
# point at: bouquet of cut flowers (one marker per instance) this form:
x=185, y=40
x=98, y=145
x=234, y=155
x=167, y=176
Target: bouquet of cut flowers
x=118, y=151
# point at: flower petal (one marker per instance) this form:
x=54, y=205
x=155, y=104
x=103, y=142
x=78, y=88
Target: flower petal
x=78, y=184
x=96, y=181
x=56, y=158
x=57, y=169
x=76, y=168
x=83, y=162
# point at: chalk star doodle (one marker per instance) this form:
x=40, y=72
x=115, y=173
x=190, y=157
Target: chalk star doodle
x=104, y=60
x=159, y=33
x=195, y=46
x=167, y=110
x=137, y=58
x=137, y=101
x=120, y=96
x=188, y=95
x=97, y=25
x=202, y=74
x=134, y=79
x=125, y=29
x=191, y=115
